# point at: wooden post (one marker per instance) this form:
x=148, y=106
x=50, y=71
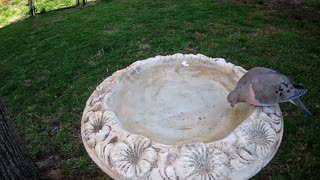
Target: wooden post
x=14, y=161
x=32, y=7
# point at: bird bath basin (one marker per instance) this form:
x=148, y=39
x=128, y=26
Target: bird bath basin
x=168, y=118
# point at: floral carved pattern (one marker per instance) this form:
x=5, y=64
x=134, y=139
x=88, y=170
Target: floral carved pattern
x=101, y=91
x=260, y=137
x=273, y=116
x=103, y=149
x=135, y=158
x=201, y=162
x=98, y=126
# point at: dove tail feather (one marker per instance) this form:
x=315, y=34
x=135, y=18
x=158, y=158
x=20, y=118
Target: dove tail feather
x=292, y=102
x=298, y=103
x=298, y=93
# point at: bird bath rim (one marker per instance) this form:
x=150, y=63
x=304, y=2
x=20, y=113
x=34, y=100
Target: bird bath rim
x=240, y=154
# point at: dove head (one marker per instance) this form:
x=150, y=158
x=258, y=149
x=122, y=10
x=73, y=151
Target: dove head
x=233, y=98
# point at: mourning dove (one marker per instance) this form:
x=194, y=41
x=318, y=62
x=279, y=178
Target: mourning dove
x=264, y=87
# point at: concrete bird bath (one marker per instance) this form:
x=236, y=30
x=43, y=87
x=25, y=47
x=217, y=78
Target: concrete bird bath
x=168, y=118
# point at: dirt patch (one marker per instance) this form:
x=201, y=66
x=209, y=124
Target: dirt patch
x=51, y=168
x=55, y=174
x=292, y=9
x=8, y=2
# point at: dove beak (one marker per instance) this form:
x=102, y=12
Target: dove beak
x=232, y=105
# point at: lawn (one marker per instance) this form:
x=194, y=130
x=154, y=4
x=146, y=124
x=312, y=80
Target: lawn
x=12, y=10
x=51, y=63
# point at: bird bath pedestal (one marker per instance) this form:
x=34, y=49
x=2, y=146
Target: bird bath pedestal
x=168, y=118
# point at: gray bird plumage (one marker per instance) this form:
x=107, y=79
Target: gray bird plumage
x=263, y=87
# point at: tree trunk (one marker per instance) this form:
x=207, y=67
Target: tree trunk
x=14, y=161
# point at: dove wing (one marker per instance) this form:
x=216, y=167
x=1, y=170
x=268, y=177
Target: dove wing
x=252, y=73
x=272, y=88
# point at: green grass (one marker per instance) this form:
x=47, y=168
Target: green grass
x=312, y=3
x=51, y=63
x=12, y=10
x=47, y=5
